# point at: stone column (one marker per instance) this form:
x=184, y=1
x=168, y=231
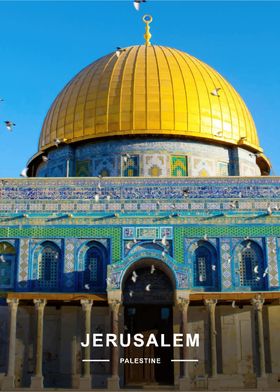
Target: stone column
x=211, y=305
x=114, y=380
x=75, y=377
x=9, y=379
x=37, y=381
x=184, y=382
x=85, y=380
x=258, y=309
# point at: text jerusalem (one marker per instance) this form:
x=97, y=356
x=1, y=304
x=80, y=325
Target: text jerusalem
x=138, y=340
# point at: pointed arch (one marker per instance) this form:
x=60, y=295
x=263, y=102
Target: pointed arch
x=249, y=259
x=47, y=259
x=92, y=262
x=205, y=266
x=7, y=264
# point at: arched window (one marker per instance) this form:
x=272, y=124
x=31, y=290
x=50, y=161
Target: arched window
x=205, y=265
x=251, y=265
x=49, y=260
x=130, y=165
x=93, y=267
x=7, y=264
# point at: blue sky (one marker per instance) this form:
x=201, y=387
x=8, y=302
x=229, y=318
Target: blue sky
x=44, y=44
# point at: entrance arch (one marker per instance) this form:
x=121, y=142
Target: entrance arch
x=148, y=288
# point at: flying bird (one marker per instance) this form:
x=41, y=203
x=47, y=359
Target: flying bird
x=153, y=269
x=163, y=240
x=128, y=245
x=213, y=267
x=233, y=304
x=58, y=141
x=99, y=186
x=131, y=293
x=248, y=246
x=9, y=125
x=134, y=276
x=2, y=259
x=233, y=204
x=148, y=287
x=205, y=237
x=215, y=92
x=45, y=158
x=126, y=157
x=265, y=272
x=96, y=197
x=87, y=286
x=137, y=3
x=24, y=172
x=269, y=210
x=200, y=278
x=119, y=51
x=256, y=269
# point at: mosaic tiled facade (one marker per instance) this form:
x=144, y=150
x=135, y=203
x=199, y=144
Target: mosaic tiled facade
x=220, y=212
x=153, y=158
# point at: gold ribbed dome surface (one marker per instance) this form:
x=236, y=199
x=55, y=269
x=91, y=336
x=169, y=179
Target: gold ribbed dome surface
x=149, y=90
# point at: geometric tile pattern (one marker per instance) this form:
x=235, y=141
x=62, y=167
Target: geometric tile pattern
x=69, y=262
x=226, y=264
x=273, y=274
x=23, y=263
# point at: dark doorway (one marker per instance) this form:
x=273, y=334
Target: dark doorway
x=148, y=319
x=148, y=298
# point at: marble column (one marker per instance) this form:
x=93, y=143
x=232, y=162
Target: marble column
x=85, y=380
x=37, y=380
x=258, y=309
x=114, y=380
x=9, y=379
x=211, y=306
x=184, y=382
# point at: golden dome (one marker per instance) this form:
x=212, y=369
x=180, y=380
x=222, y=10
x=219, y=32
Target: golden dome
x=149, y=90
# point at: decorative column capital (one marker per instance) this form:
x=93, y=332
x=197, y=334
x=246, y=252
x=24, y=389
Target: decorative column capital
x=210, y=303
x=115, y=305
x=86, y=304
x=183, y=303
x=258, y=303
x=12, y=302
x=40, y=303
